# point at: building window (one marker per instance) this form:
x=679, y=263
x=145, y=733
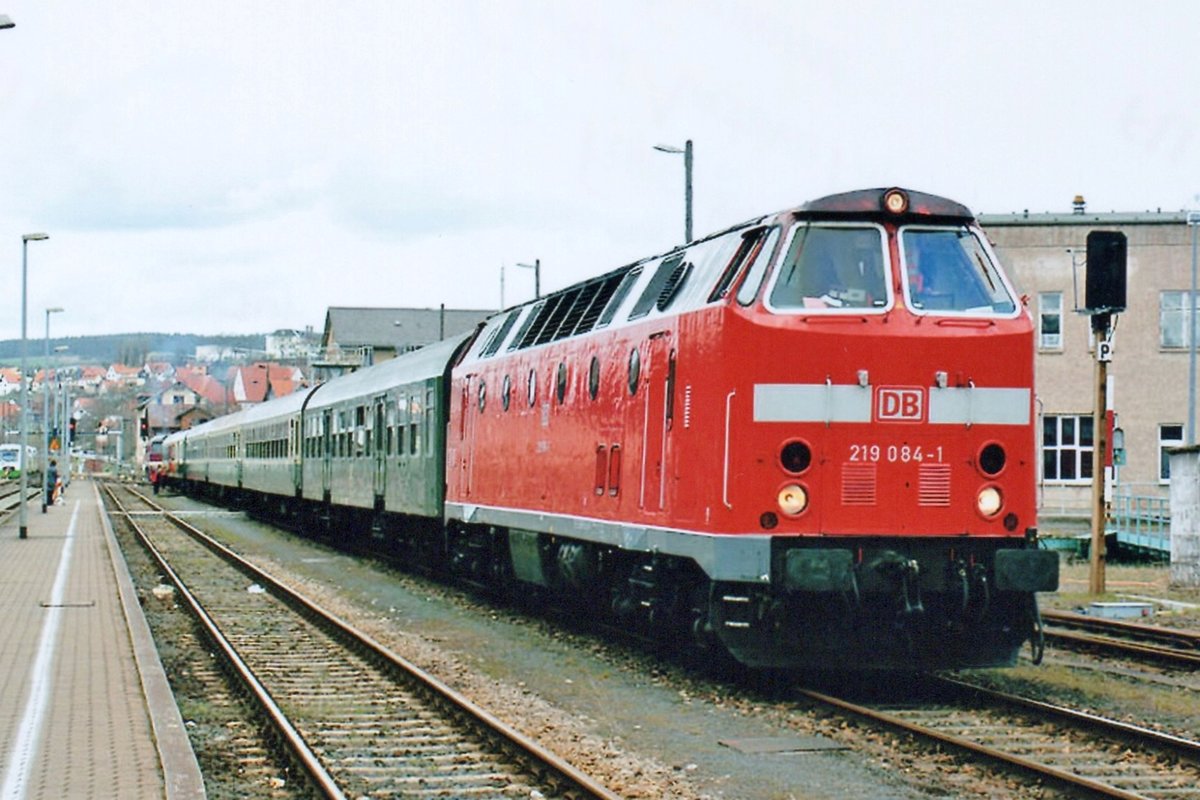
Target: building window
x=1067, y=448
x=1168, y=436
x=1175, y=319
x=1050, y=321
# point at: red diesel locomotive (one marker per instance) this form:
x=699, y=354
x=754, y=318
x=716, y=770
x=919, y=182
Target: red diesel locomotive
x=808, y=440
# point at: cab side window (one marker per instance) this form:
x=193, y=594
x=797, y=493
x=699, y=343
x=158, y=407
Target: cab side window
x=758, y=269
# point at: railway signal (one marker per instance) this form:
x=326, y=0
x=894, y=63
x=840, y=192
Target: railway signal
x=1104, y=296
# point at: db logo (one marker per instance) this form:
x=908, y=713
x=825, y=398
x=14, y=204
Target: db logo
x=896, y=404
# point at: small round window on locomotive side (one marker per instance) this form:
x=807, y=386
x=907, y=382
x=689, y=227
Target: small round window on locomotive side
x=594, y=378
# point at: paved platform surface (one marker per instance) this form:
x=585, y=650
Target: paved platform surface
x=85, y=708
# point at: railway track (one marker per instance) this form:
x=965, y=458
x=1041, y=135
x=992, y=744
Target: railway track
x=356, y=718
x=10, y=492
x=1153, y=643
x=1088, y=753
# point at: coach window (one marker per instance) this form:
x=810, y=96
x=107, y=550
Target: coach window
x=635, y=370
x=758, y=269
x=594, y=378
x=560, y=385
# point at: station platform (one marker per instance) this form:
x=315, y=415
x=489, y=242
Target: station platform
x=85, y=707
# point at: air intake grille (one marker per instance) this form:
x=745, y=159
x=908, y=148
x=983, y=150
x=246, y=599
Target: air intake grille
x=859, y=484
x=934, y=486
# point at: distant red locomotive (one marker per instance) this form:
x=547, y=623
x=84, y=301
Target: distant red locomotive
x=808, y=439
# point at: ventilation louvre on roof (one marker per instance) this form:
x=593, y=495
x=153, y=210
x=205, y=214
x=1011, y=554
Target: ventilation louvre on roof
x=654, y=290
x=572, y=311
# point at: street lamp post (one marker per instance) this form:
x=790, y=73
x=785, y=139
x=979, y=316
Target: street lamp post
x=46, y=409
x=1193, y=221
x=687, y=185
x=536, y=266
x=22, y=516
x=63, y=415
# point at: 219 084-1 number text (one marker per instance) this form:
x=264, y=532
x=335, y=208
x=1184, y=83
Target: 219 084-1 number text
x=894, y=453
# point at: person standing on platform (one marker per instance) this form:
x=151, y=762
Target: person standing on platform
x=52, y=483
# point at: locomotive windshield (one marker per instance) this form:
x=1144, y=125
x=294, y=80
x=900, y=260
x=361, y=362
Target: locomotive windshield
x=949, y=270
x=832, y=267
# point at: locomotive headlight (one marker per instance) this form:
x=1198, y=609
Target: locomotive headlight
x=895, y=201
x=989, y=501
x=793, y=499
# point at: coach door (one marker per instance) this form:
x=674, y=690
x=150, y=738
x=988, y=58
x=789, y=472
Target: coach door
x=326, y=453
x=295, y=453
x=658, y=375
x=238, y=456
x=378, y=451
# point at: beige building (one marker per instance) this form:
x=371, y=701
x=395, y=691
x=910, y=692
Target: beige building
x=1148, y=389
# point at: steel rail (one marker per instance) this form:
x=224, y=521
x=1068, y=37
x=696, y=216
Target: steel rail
x=561, y=772
x=1143, y=651
x=1158, y=633
x=292, y=738
x=1186, y=748
x=1175, y=744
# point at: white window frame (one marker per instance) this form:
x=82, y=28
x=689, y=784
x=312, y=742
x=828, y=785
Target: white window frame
x=1050, y=304
x=1081, y=453
x=1164, y=468
x=1175, y=317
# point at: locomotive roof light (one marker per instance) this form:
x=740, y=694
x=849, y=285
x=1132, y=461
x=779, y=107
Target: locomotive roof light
x=989, y=501
x=895, y=201
x=793, y=499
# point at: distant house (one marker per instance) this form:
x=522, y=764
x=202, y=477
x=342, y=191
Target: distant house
x=158, y=370
x=121, y=375
x=10, y=381
x=289, y=345
x=210, y=353
x=175, y=408
x=359, y=337
x=177, y=394
x=193, y=417
x=211, y=391
x=90, y=378
x=260, y=382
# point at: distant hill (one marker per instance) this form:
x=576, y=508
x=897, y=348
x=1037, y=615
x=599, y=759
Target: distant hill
x=133, y=349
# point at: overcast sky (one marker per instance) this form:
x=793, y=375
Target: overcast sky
x=237, y=166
